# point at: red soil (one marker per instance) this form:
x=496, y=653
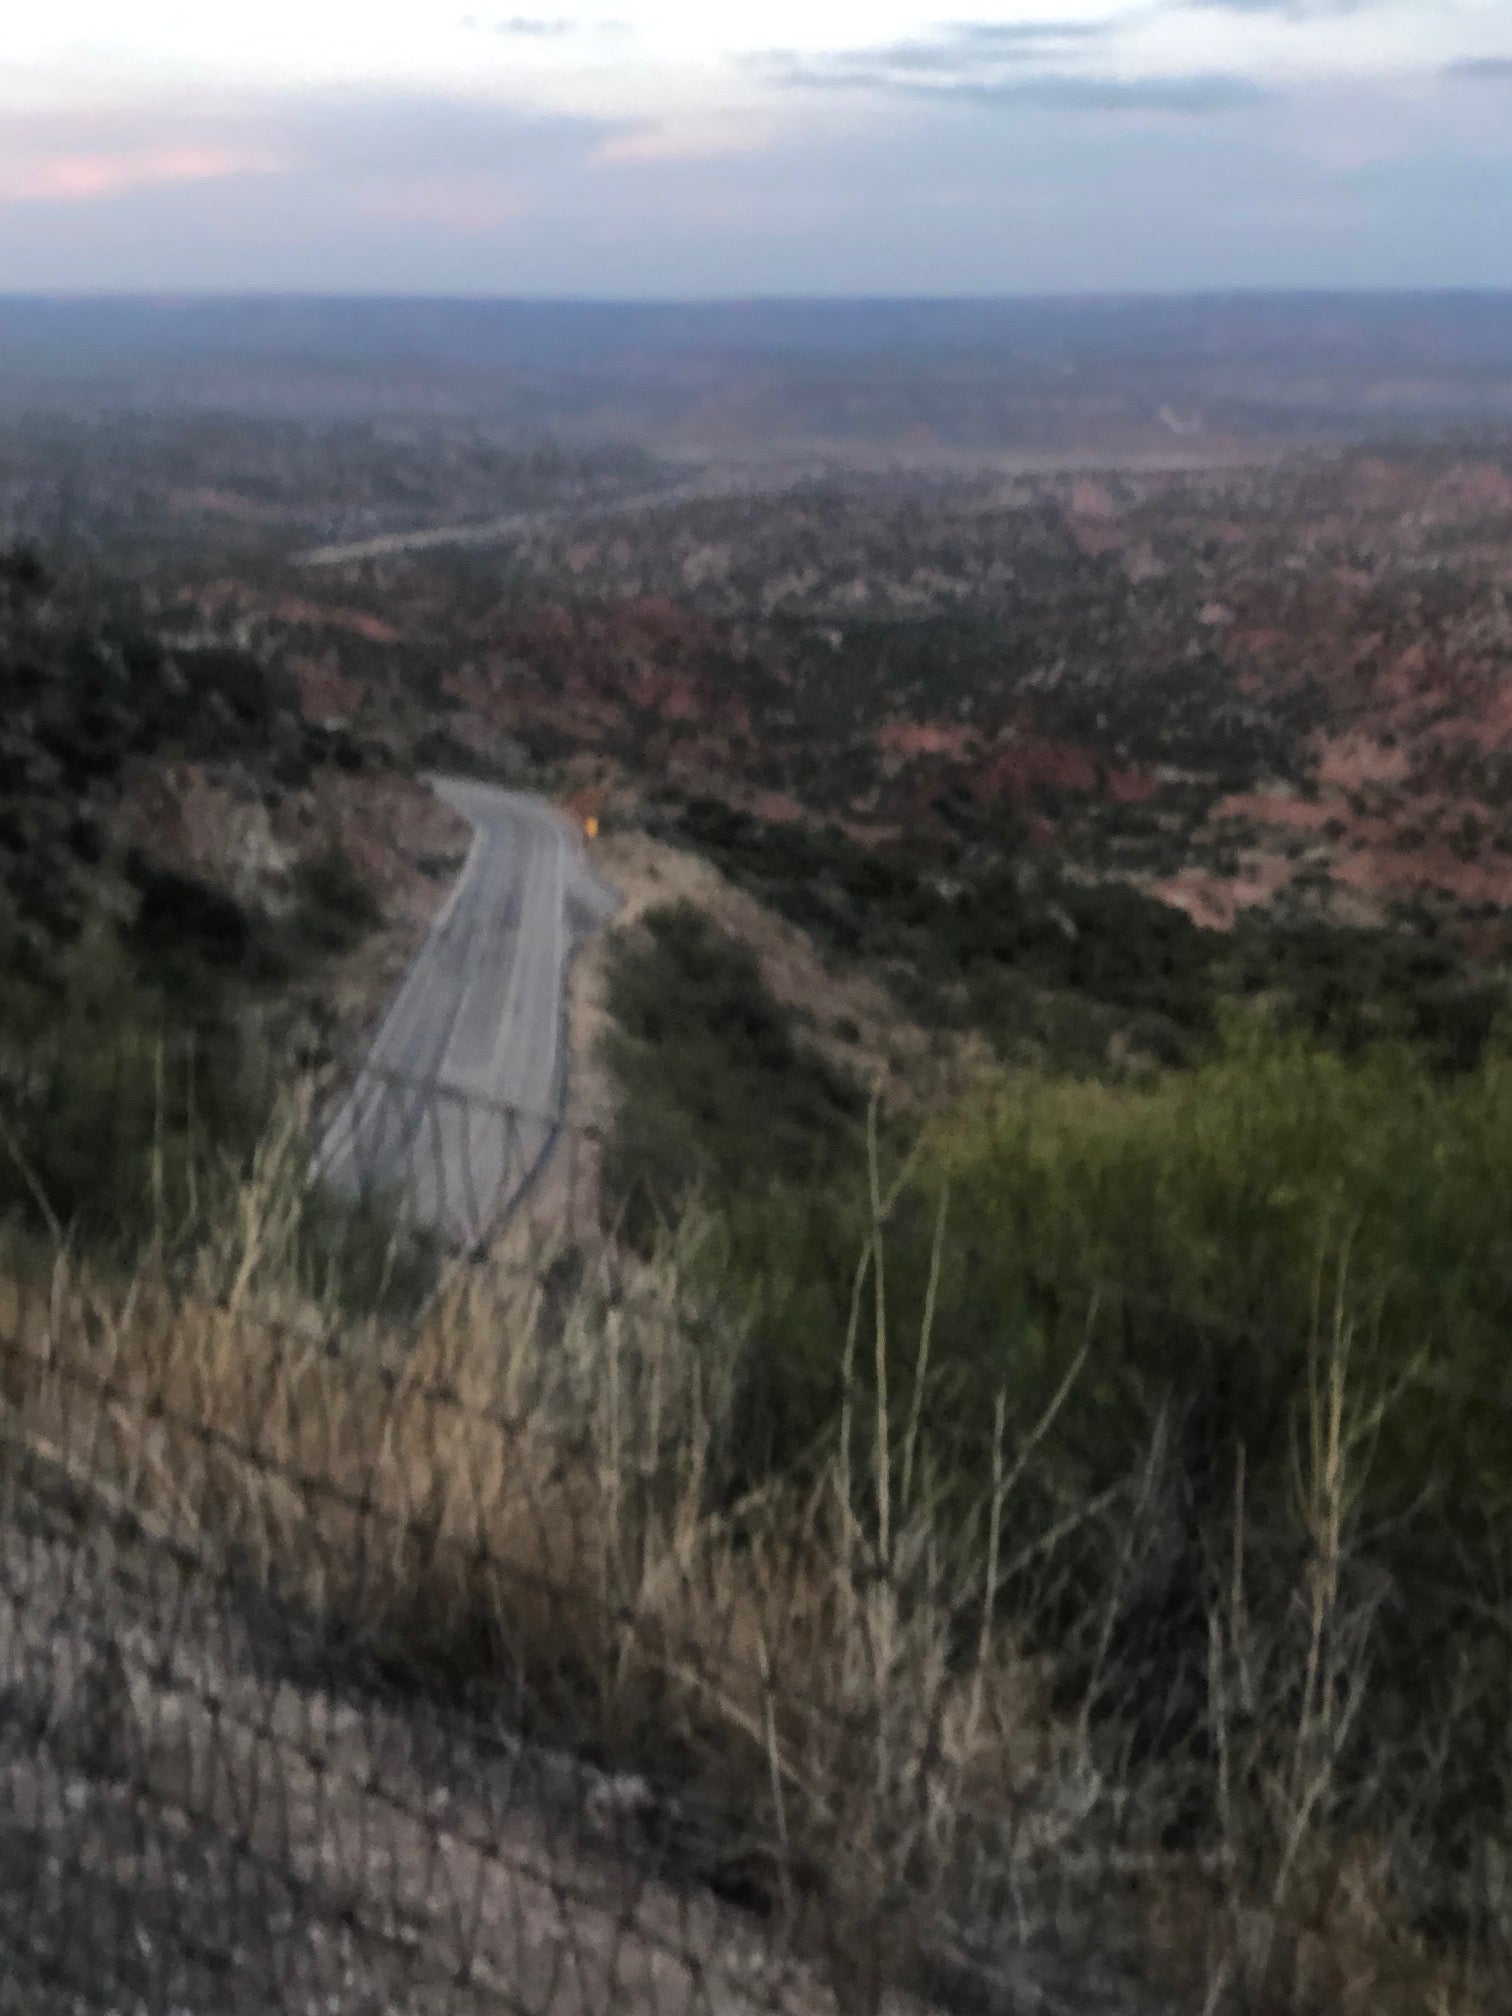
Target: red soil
x=1350, y=761
x=1215, y=901
x=324, y=693
x=1277, y=808
x=926, y=738
x=1033, y=764
x=297, y=609
x=1470, y=490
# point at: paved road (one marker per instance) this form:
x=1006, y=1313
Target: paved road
x=454, y=1107
x=492, y=531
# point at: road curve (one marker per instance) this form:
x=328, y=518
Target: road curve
x=461, y=1093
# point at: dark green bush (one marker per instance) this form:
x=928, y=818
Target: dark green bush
x=120, y=1116
x=1187, y=1253
x=717, y=1086
x=335, y=904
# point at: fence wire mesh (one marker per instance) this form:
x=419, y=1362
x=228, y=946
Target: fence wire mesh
x=393, y=1638
x=295, y=1714
x=353, y=1668
x=117, y=1139
x=453, y=1162
x=342, y=1682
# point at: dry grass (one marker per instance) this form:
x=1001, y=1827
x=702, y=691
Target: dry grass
x=526, y=1502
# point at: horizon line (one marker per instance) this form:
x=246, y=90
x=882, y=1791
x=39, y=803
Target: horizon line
x=181, y=296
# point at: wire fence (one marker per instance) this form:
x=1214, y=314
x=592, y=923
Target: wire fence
x=440, y=1652
x=416, y=1666
x=220, y=1789
x=454, y=1162
x=125, y=1138
x=297, y=1633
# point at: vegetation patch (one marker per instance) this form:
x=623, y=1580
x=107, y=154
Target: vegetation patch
x=985, y=932
x=718, y=1085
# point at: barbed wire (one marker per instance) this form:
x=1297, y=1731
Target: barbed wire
x=317, y=1734
x=221, y=1708
x=450, y=1160
x=354, y=1659
x=198, y=1666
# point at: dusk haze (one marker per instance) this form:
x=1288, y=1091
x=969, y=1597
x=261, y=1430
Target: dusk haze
x=689, y=151
x=756, y=1008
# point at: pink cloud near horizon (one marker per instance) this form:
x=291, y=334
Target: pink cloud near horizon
x=82, y=174
x=465, y=166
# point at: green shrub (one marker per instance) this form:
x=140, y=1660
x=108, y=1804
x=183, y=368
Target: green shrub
x=1199, y=1228
x=1162, y=1267
x=126, y=1121
x=335, y=904
x=1223, y=1211
x=987, y=931
x=118, y=1114
x=716, y=1085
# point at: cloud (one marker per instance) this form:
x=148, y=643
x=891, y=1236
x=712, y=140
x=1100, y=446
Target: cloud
x=939, y=202
x=84, y=174
x=407, y=154
x=1208, y=91
x=1006, y=36
x=1482, y=69
x=1054, y=91
x=1288, y=10
x=1030, y=64
x=396, y=135
x=982, y=49
x=543, y=28
x=527, y=26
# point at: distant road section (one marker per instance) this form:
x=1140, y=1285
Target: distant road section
x=459, y=1102
x=495, y=531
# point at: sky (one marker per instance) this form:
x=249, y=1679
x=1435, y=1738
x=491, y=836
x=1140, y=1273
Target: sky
x=666, y=149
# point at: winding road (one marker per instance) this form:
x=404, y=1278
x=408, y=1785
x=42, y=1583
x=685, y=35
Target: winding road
x=459, y=1101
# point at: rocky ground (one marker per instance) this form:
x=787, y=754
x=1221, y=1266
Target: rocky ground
x=206, y=1810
